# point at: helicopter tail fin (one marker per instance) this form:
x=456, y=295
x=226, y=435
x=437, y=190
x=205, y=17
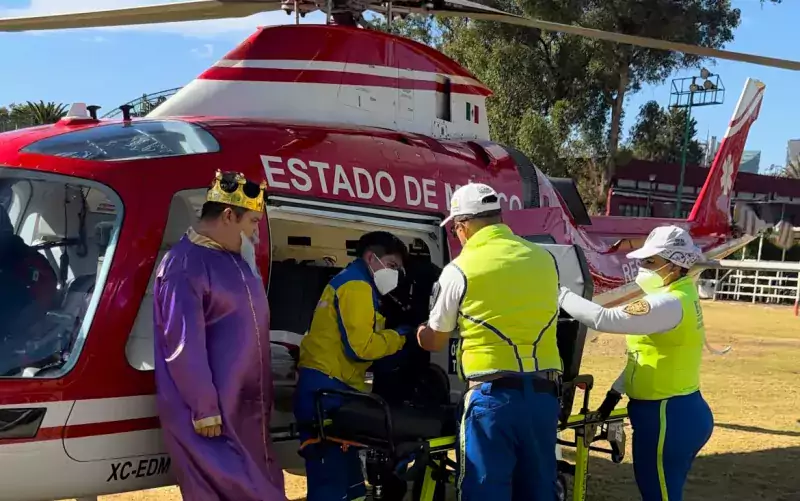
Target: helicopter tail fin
x=712, y=210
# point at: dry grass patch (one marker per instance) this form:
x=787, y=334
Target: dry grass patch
x=753, y=391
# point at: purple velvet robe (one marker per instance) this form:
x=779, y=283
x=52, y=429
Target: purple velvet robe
x=212, y=358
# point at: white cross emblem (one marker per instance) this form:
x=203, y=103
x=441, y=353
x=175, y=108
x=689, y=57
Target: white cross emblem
x=727, y=176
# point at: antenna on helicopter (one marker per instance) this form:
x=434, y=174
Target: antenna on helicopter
x=93, y=110
x=78, y=113
x=126, y=112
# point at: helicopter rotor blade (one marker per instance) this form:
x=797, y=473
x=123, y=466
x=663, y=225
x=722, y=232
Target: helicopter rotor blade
x=195, y=10
x=473, y=10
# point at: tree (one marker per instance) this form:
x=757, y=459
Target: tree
x=5, y=119
x=622, y=69
x=658, y=135
x=40, y=113
x=422, y=29
x=532, y=113
x=552, y=89
x=792, y=169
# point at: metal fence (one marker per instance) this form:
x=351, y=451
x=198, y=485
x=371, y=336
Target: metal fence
x=759, y=280
x=140, y=107
x=143, y=105
x=8, y=124
x=757, y=286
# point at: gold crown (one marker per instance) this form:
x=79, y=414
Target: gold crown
x=238, y=198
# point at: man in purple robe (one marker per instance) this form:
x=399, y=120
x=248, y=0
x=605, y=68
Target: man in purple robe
x=212, y=352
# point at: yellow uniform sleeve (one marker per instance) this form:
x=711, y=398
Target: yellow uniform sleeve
x=356, y=318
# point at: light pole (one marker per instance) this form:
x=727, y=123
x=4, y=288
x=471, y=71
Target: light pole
x=687, y=93
x=652, y=179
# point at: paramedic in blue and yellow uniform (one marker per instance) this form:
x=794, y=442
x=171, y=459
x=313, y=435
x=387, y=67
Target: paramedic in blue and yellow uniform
x=501, y=293
x=347, y=335
x=671, y=421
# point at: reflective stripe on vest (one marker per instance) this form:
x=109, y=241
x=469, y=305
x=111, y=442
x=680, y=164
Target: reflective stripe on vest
x=667, y=364
x=507, y=318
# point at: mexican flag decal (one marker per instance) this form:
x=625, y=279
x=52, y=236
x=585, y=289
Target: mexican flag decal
x=473, y=113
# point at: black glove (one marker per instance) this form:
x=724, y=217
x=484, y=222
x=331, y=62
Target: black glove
x=612, y=399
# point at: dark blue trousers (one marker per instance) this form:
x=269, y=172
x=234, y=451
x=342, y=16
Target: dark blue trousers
x=332, y=474
x=667, y=435
x=507, y=445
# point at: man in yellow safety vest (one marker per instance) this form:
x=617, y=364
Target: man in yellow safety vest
x=501, y=293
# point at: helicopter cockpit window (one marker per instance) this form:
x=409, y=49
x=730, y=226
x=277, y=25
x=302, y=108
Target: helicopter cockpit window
x=57, y=238
x=135, y=140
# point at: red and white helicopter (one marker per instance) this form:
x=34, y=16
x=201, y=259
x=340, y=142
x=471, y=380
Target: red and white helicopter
x=352, y=129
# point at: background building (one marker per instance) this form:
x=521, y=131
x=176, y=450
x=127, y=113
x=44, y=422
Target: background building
x=751, y=159
x=792, y=150
x=643, y=188
x=709, y=149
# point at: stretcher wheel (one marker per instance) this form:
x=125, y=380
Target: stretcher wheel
x=440, y=491
x=561, y=487
x=393, y=489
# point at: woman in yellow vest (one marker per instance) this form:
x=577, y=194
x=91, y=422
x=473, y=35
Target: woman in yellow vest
x=671, y=421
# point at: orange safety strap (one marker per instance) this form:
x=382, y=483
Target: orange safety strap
x=344, y=443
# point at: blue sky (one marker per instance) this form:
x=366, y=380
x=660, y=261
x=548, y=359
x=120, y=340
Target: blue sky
x=111, y=66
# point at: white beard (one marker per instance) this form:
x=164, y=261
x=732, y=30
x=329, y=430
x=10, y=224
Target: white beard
x=249, y=252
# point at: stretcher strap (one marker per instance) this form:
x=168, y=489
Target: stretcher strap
x=344, y=443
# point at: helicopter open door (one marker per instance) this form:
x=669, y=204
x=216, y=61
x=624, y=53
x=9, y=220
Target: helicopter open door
x=183, y=212
x=139, y=349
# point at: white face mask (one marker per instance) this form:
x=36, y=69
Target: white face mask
x=385, y=278
x=249, y=252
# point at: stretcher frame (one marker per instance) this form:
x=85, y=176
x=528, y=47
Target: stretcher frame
x=433, y=469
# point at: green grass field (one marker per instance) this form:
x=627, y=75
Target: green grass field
x=753, y=391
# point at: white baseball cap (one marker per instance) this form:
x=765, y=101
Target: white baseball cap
x=672, y=243
x=471, y=199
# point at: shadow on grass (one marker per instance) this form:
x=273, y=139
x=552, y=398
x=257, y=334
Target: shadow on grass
x=768, y=475
x=758, y=429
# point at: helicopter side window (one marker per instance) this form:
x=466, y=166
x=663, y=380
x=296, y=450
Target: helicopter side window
x=443, y=98
x=55, y=236
x=129, y=141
